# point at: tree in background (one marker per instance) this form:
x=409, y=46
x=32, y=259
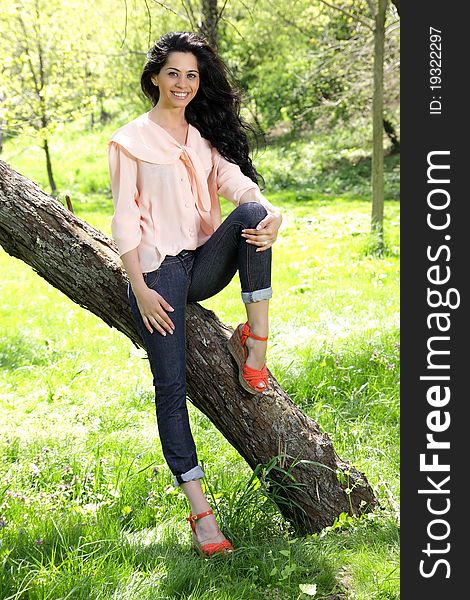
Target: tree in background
x=378, y=9
x=64, y=61
x=202, y=16
x=210, y=21
x=310, y=66
x=339, y=74
x=44, y=70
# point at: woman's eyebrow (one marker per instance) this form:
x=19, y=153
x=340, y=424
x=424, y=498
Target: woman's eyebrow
x=176, y=69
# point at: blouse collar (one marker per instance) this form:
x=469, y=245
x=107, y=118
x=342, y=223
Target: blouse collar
x=139, y=139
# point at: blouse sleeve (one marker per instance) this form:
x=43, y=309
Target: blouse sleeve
x=125, y=224
x=231, y=182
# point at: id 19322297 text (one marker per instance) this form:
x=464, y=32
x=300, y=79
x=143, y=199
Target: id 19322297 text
x=435, y=71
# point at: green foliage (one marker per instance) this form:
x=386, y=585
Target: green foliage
x=312, y=63
x=65, y=58
x=46, y=78
x=336, y=164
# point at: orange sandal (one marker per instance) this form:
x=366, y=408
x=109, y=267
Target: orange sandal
x=224, y=547
x=251, y=380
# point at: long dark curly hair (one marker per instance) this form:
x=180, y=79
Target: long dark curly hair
x=215, y=110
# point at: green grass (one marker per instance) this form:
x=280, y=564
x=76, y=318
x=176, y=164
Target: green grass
x=87, y=506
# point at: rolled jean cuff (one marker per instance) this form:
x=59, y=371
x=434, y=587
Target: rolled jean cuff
x=194, y=473
x=257, y=295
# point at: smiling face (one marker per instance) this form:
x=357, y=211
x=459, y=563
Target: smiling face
x=178, y=80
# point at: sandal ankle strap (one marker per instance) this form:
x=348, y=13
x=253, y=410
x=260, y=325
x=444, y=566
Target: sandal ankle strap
x=248, y=333
x=193, y=518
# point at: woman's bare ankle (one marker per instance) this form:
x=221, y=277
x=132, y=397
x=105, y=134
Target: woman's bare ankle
x=256, y=353
x=207, y=529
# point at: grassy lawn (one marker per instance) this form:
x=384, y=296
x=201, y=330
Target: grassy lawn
x=87, y=505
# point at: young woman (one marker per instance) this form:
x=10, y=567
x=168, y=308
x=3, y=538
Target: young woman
x=167, y=169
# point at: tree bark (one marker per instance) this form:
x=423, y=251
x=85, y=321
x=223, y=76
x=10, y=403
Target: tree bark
x=84, y=264
x=210, y=21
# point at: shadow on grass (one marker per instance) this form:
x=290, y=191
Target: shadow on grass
x=19, y=351
x=344, y=178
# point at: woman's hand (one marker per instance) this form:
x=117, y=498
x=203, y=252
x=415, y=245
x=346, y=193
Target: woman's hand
x=153, y=308
x=265, y=233
x=154, y=311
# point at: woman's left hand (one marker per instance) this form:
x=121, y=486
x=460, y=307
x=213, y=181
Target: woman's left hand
x=265, y=233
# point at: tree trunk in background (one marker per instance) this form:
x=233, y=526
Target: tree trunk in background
x=377, y=128
x=50, y=175
x=210, y=20
x=83, y=263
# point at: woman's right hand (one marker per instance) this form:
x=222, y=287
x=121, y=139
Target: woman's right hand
x=153, y=308
x=154, y=311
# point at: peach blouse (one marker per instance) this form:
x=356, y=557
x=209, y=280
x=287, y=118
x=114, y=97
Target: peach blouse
x=166, y=195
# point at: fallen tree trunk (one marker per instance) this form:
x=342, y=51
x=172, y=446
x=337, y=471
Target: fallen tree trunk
x=84, y=264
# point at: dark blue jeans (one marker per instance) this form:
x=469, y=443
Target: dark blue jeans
x=191, y=276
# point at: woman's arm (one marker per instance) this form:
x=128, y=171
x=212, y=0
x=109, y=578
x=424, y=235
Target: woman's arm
x=125, y=224
x=125, y=227
x=237, y=187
